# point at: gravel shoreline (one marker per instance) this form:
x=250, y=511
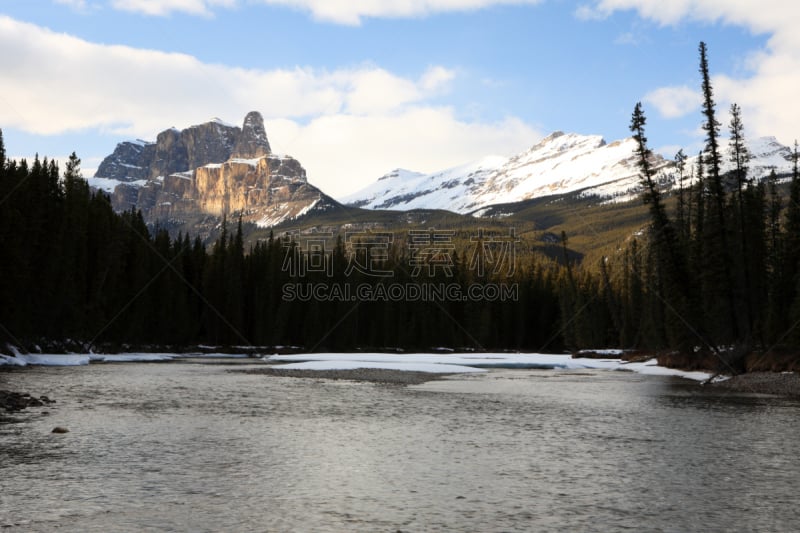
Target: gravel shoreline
x=777, y=383
x=774, y=383
x=370, y=375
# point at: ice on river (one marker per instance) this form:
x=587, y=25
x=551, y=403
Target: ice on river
x=418, y=361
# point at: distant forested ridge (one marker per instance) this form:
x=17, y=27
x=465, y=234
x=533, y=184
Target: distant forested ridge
x=712, y=280
x=74, y=269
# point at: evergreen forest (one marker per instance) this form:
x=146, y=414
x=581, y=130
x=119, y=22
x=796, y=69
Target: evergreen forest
x=712, y=280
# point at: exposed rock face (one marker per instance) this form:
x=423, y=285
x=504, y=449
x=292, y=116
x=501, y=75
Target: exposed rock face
x=125, y=196
x=211, y=169
x=180, y=151
x=264, y=190
x=129, y=162
x=252, y=142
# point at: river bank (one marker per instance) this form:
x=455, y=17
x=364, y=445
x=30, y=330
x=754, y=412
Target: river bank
x=416, y=368
x=772, y=383
x=775, y=383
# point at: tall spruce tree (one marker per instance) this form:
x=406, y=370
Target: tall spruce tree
x=2, y=150
x=775, y=312
x=738, y=151
x=680, y=165
x=670, y=278
x=790, y=278
x=711, y=125
x=745, y=270
x=720, y=298
x=74, y=234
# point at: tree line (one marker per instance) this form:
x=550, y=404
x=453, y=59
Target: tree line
x=73, y=270
x=714, y=275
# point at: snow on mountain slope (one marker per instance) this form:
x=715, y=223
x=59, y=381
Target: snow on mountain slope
x=448, y=189
x=560, y=163
x=767, y=154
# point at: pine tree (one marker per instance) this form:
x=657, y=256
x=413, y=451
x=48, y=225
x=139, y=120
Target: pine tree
x=74, y=266
x=669, y=257
x=699, y=202
x=711, y=127
x=2, y=151
x=739, y=153
x=716, y=249
x=234, y=292
x=775, y=307
x=789, y=276
x=680, y=165
x=793, y=208
x=740, y=157
x=633, y=309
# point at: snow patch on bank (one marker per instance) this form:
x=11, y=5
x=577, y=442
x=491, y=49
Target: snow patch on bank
x=479, y=361
x=414, y=362
x=20, y=359
x=131, y=358
x=433, y=368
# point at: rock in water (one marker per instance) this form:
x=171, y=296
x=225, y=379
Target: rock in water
x=60, y=429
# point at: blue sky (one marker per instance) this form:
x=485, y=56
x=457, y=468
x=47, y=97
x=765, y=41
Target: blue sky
x=355, y=88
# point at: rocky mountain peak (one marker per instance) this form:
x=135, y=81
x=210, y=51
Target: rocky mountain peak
x=252, y=141
x=210, y=169
x=558, y=142
x=552, y=136
x=184, y=150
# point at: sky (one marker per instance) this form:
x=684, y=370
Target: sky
x=356, y=88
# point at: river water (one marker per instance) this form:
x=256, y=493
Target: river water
x=193, y=446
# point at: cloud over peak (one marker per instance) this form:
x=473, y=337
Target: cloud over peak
x=326, y=118
x=347, y=12
x=767, y=93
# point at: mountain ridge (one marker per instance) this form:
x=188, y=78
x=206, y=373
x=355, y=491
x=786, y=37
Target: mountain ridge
x=237, y=174
x=560, y=163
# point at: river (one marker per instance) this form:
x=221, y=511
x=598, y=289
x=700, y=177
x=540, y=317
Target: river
x=197, y=446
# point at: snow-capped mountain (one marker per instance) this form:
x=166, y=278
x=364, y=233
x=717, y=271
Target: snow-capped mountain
x=767, y=154
x=560, y=163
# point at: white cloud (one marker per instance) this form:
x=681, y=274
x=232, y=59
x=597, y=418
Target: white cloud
x=349, y=12
x=767, y=96
x=343, y=153
x=165, y=7
x=675, y=102
x=353, y=11
x=377, y=91
x=437, y=78
x=347, y=126
x=75, y=4
x=765, y=16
